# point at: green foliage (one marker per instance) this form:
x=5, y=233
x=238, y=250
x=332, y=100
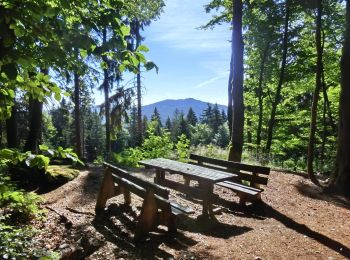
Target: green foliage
x=129, y=157
x=18, y=243
x=157, y=146
x=14, y=157
x=60, y=153
x=153, y=146
x=17, y=205
x=182, y=148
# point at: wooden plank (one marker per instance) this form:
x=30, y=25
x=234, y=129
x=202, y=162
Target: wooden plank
x=192, y=191
x=231, y=165
x=239, y=188
x=177, y=212
x=185, y=209
x=195, y=172
x=241, y=175
x=140, y=191
x=132, y=187
x=143, y=183
x=243, y=186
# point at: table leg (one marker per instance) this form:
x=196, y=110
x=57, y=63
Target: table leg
x=207, y=188
x=160, y=175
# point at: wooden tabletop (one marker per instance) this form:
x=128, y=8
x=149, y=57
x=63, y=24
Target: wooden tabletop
x=193, y=171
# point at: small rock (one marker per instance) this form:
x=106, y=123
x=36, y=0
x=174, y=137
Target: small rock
x=63, y=246
x=257, y=258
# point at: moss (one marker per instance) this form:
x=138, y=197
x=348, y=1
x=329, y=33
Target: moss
x=60, y=173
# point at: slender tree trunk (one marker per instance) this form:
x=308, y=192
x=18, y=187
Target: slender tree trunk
x=326, y=100
x=319, y=69
x=107, y=104
x=260, y=98
x=77, y=116
x=342, y=168
x=280, y=82
x=11, y=129
x=324, y=134
x=229, y=94
x=138, y=86
x=249, y=126
x=236, y=149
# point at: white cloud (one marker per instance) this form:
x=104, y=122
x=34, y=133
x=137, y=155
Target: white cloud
x=211, y=80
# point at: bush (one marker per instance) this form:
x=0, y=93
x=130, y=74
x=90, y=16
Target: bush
x=154, y=146
x=182, y=148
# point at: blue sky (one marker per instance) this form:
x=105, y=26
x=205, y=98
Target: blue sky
x=192, y=62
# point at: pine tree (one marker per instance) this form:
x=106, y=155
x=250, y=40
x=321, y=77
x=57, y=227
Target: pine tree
x=191, y=117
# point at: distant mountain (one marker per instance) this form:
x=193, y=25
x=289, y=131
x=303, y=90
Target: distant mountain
x=167, y=107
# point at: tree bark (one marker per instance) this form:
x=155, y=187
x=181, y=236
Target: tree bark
x=77, y=116
x=342, y=168
x=11, y=129
x=316, y=95
x=260, y=97
x=107, y=104
x=236, y=148
x=229, y=94
x=35, y=125
x=138, y=87
x=280, y=82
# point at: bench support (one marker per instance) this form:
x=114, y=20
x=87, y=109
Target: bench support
x=107, y=191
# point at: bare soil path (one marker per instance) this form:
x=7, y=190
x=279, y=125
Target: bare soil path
x=296, y=221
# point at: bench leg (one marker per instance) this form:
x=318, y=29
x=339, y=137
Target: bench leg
x=255, y=185
x=107, y=191
x=186, y=181
x=127, y=196
x=242, y=199
x=148, y=218
x=169, y=220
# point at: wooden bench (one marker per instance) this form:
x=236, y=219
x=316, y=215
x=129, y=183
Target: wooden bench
x=249, y=181
x=156, y=210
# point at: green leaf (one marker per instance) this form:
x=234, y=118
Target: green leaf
x=143, y=48
x=83, y=53
x=125, y=30
x=43, y=147
x=19, y=79
x=57, y=96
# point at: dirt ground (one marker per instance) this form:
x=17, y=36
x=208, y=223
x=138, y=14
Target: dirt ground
x=295, y=221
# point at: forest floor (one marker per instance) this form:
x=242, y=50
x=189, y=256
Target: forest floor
x=296, y=221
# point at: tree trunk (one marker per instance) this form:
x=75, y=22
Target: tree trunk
x=107, y=104
x=229, y=94
x=77, y=116
x=280, y=82
x=138, y=86
x=319, y=69
x=249, y=127
x=260, y=98
x=35, y=125
x=11, y=129
x=342, y=168
x=236, y=148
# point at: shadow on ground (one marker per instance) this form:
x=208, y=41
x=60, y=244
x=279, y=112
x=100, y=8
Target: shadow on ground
x=315, y=192
x=266, y=211
x=118, y=223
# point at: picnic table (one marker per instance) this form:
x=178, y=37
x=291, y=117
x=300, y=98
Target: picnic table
x=205, y=177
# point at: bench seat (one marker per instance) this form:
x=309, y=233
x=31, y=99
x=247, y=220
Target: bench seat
x=249, y=180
